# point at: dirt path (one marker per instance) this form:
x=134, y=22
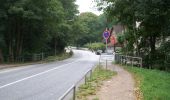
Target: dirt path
x=120, y=87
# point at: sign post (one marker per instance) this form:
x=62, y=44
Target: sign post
x=106, y=35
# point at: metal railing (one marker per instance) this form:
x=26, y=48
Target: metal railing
x=26, y=58
x=128, y=60
x=38, y=57
x=105, y=60
x=74, y=87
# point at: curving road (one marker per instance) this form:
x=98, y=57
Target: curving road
x=45, y=81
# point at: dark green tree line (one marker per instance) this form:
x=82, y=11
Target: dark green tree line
x=30, y=26
x=88, y=28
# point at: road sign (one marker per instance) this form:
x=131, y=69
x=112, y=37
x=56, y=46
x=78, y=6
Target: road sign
x=106, y=34
x=112, y=40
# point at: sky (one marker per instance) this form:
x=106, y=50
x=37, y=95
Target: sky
x=87, y=6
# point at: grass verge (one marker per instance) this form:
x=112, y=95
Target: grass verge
x=93, y=84
x=153, y=84
x=58, y=57
x=46, y=60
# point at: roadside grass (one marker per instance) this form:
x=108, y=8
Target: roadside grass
x=153, y=84
x=94, y=83
x=58, y=57
x=46, y=60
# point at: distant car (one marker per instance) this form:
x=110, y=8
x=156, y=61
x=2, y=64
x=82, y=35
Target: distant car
x=98, y=52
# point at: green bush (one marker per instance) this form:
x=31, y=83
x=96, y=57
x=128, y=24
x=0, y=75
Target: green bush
x=95, y=46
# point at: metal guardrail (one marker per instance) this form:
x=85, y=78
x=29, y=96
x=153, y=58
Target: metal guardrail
x=123, y=59
x=75, y=86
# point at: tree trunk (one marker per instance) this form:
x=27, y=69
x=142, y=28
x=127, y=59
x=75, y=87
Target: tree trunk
x=55, y=46
x=152, y=47
x=152, y=44
x=1, y=56
x=18, y=50
x=11, y=39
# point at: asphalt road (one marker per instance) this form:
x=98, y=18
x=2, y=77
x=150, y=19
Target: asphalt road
x=45, y=81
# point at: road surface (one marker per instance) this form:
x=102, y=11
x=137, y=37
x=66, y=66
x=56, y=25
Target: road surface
x=45, y=81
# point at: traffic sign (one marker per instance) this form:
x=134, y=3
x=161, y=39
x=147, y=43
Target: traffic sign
x=113, y=40
x=106, y=34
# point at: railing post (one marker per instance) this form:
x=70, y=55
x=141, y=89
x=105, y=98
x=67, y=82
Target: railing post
x=126, y=59
x=42, y=56
x=106, y=63
x=132, y=61
x=85, y=79
x=141, y=63
x=120, y=59
x=74, y=93
x=99, y=60
x=91, y=74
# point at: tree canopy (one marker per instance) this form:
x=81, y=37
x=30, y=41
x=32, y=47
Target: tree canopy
x=88, y=28
x=30, y=26
x=152, y=18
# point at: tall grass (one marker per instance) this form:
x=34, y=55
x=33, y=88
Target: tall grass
x=154, y=84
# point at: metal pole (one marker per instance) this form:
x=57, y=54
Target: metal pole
x=132, y=61
x=74, y=93
x=99, y=60
x=141, y=63
x=85, y=79
x=106, y=45
x=91, y=74
x=106, y=63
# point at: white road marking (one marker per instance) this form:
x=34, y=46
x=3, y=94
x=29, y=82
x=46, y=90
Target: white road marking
x=9, y=84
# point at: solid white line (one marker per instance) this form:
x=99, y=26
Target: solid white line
x=35, y=75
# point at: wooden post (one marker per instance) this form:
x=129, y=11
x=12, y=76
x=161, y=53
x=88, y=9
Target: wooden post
x=42, y=56
x=141, y=63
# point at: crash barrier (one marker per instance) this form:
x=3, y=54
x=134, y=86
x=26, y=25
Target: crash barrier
x=128, y=60
x=70, y=94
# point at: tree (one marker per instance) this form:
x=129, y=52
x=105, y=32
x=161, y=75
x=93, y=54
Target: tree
x=153, y=16
x=29, y=26
x=88, y=28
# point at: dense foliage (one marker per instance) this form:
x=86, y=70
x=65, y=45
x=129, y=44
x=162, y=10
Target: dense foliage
x=147, y=25
x=95, y=46
x=88, y=28
x=33, y=26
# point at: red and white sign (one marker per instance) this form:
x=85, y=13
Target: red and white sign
x=113, y=40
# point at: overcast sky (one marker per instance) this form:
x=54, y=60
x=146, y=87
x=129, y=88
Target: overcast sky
x=87, y=6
